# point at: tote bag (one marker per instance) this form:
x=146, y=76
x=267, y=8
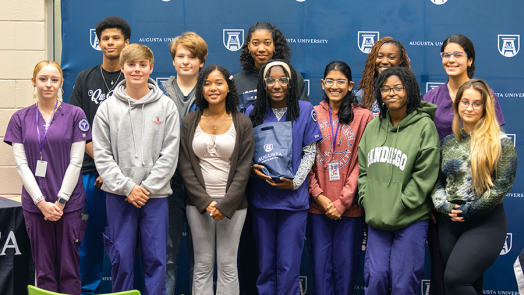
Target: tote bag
x=273, y=149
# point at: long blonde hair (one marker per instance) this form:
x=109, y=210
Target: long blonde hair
x=485, y=142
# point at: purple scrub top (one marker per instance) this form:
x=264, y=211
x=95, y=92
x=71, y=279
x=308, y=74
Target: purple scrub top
x=305, y=132
x=69, y=125
x=444, y=114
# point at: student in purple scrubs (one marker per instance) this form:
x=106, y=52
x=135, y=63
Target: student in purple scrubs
x=48, y=140
x=280, y=209
x=458, y=59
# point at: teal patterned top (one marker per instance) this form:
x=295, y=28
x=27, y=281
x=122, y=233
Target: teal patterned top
x=454, y=184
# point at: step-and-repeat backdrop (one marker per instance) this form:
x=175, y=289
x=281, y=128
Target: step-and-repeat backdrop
x=319, y=32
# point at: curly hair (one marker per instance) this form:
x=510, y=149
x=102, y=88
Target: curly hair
x=258, y=114
x=367, y=83
x=282, y=50
x=113, y=22
x=345, y=114
x=468, y=48
x=411, y=87
x=232, y=100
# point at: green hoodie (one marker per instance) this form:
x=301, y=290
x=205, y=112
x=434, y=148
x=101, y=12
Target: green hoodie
x=398, y=168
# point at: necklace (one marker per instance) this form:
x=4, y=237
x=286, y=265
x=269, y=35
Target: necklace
x=47, y=124
x=112, y=82
x=451, y=93
x=212, y=123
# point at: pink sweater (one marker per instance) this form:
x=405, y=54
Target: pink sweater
x=341, y=192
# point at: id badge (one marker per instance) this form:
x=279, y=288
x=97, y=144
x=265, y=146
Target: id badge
x=334, y=173
x=41, y=168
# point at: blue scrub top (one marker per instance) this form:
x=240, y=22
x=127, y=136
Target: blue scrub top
x=305, y=132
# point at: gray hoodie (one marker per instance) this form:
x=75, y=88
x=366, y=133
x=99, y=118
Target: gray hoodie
x=136, y=142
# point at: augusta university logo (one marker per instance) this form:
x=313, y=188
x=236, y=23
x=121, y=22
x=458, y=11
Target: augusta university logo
x=438, y=2
x=268, y=147
x=303, y=285
x=94, y=40
x=432, y=85
x=509, y=45
x=513, y=138
x=366, y=39
x=160, y=82
x=307, y=81
x=424, y=287
x=507, y=244
x=233, y=39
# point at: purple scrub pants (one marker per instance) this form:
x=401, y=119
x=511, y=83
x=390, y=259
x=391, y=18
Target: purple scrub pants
x=54, y=246
x=395, y=259
x=124, y=224
x=335, y=247
x=279, y=239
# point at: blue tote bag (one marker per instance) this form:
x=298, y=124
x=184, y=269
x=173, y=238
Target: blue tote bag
x=273, y=149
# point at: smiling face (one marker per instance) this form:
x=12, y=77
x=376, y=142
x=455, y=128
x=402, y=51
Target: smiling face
x=215, y=88
x=456, y=67
x=337, y=92
x=277, y=93
x=388, y=56
x=470, y=108
x=112, y=42
x=261, y=47
x=137, y=73
x=186, y=63
x=396, y=99
x=47, y=82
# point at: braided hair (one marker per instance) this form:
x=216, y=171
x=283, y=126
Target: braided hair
x=368, y=78
x=410, y=84
x=282, y=49
x=258, y=114
x=232, y=100
x=345, y=114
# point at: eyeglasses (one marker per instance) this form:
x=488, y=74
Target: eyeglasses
x=476, y=105
x=457, y=55
x=331, y=82
x=283, y=81
x=396, y=89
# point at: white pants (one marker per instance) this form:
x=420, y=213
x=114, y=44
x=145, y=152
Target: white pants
x=207, y=232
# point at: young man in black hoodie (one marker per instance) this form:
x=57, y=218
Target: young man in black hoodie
x=189, y=53
x=92, y=87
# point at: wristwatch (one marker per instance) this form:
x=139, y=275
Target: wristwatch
x=61, y=201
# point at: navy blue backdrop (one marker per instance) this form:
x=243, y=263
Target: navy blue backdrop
x=319, y=32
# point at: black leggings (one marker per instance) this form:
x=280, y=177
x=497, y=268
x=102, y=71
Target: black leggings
x=470, y=248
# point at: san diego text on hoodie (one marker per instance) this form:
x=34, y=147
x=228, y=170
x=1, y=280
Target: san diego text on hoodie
x=398, y=168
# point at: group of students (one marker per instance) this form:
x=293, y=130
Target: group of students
x=436, y=168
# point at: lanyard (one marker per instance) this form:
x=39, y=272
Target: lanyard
x=41, y=144
x=336, y=134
